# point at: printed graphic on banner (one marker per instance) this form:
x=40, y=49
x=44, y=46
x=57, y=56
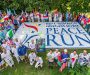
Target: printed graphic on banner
x=40, y=45
x=56, y=34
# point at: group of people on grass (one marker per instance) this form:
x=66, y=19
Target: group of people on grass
x=10, y=51
x=64, y=59
x=55, y=58
x=9, y=47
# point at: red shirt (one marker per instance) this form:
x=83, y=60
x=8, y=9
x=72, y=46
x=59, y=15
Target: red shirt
x=59, y=58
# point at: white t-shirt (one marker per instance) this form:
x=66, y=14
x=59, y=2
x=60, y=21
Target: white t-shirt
x=32, y=46
x=32, y=56
x=40, y=60
x=73, y=56
x=14, y=50
x=50, y=57
x=85, y=56
x=4, y=45
x=6, y=56
x=55, y=54
x=8, y=47
x=17, y=44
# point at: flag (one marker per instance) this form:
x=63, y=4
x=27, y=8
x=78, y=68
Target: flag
x=6, y=17
x=38, y=14
x=10, y=33
x=45, y=17
x=73, y=59
x=1, y=25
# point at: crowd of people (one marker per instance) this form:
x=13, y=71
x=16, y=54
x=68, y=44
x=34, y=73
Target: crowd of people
x=64, y=59
x=55, y=58
x=10, y=51
x=12, y=21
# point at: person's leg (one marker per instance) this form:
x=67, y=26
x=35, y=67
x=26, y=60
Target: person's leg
x=0, y=65
x=41, y=65
x=31, y=61
x=69, y=63
x=55, y=61
x=82, y=63
x=62, y=67
x=36, y=65
x=18, y=59
x=73, y=63
x=9, y=63
x=50, y=64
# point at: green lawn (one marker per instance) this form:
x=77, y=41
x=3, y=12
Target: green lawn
x=25, y=69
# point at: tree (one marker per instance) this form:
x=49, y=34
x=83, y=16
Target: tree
x=62, y=5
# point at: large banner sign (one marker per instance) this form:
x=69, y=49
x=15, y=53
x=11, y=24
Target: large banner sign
x=56, y=34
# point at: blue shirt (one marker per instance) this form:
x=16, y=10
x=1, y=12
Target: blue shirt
x=63, y=56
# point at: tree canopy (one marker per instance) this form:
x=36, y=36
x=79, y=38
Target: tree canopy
x=62, y=5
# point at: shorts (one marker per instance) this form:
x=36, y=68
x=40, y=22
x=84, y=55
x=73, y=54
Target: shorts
x=50, y=63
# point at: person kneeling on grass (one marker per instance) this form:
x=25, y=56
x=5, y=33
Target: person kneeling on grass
x=50, y=58
x=59, y=59
x=64, y=57
x=55, y=56
x=73, y=59
x=32, y=57
x=39, y=62
x=7, y=58
x=84, y=58
x=15, y=53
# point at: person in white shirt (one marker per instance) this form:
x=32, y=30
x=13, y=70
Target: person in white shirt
x=32, y=16
x=32, y=45
x=73, y=58
x=84, y=58
x=7, y=58
x=60, y=17
x=4, y=44
x=50, y=18
x=39, y=62
x=32, y=57
x=50, y=58
x=17, y=43
x=6, y=47
x=55, y=55
x=15, y=52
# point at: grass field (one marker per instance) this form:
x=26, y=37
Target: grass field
x=25, y=69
